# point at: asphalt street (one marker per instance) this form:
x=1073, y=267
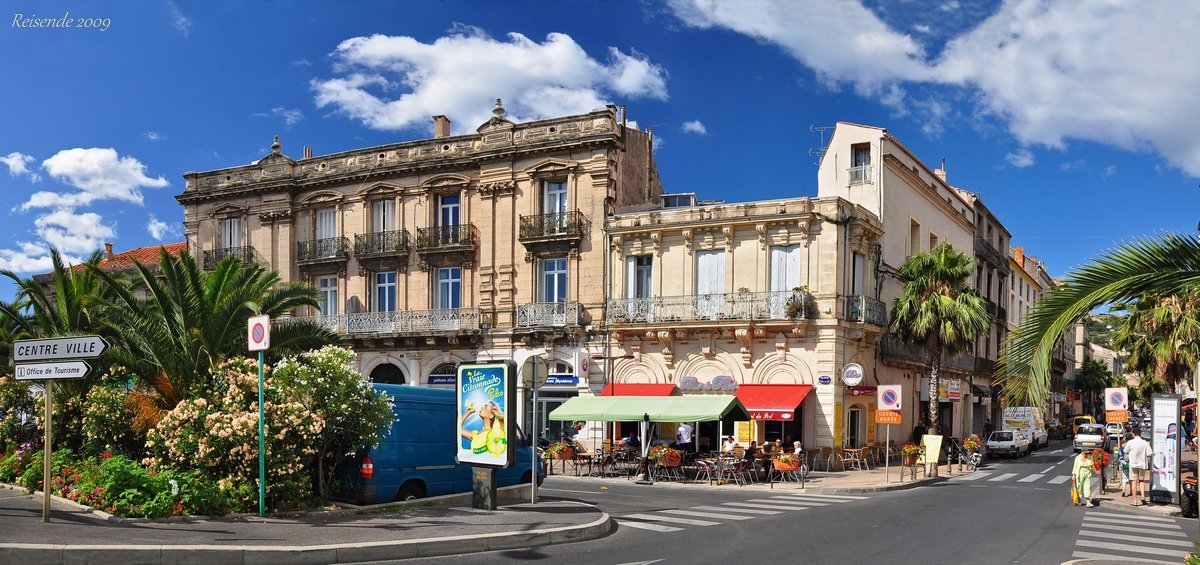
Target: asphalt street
x=1011, y=511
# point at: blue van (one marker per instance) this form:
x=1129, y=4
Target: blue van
x=416, y=459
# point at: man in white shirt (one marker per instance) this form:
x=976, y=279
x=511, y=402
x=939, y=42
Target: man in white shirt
x=683, y=437
x=1138, y=452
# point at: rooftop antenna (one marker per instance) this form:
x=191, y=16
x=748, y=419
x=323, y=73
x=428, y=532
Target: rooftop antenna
x=820, y=151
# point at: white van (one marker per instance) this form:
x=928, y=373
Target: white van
x=1029, y=420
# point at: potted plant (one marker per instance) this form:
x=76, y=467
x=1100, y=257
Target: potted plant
x=1099, y=459
x=795, y=303
x=786, y=462
x=665, y=456
x=560, y=450
x=972, y=443
x=910, y=452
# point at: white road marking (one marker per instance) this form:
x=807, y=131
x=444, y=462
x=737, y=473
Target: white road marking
x=649, y=526
x=1059, y=479
x=1126, y=547
x=764, y=506
x=738, y=510
x=1031, y=478
x=1048, y=469
x=630, y=563
x=717, y=516
x=1132, y=530
x=1141, y=539
x=671, y=519
x=975, y=476
x=832, y=496
x=540, y=489
x=783, y=504
x=1127, y=518
x=1003, y=477
x=1055, y=452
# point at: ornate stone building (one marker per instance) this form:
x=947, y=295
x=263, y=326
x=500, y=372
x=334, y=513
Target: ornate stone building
x=486, y=245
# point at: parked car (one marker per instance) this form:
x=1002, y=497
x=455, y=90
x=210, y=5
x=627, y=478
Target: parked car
x=1114, y=430
x=1007, y=442
x=1090, y=436
x=1080, y=420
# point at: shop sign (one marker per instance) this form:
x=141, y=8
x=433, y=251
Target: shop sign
x=721, y=383
x=443, y=379
x=771, y=415
x=562, y=380
x=862, y=390
x=852, y=374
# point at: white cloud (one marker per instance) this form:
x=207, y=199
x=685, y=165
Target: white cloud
x=28, y=258
x=1073, y=166
x=1020, y=158
x=1107, y=72
x=98, y=173
x=17, y=165
x=74, y=232
x=398, y=82
x=1110, y=171
x=290, y=117
x=154, y=136
x=694, y=126
x=180, y=21
x=160, y=230
x=302, y=62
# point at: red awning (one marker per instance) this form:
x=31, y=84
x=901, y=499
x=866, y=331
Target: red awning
x=772, y=402
x=634, y=389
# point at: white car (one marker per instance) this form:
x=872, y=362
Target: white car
x=1007, y=442
x=1090, y=436
x=1114, y=430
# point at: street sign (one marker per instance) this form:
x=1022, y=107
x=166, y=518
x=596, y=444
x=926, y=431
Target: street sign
x=258, y=333
x=1118, y=416
x=888, y=397
x=48, y=349
x=888, y=417
x=1116, y=398
x=825, y=379
x=58, y=370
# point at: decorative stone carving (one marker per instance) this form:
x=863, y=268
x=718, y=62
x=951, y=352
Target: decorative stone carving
x=745, y=337
x=687, y=241
x=274, y=216
x=781, y=346
x=656, y=243
x=727, y=231
x=761, y=231
x=499, y=188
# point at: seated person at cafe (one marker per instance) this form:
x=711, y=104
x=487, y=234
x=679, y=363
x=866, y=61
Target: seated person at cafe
x=729, y=444
x=631, y=441
x=797, y=448
x=751, y=452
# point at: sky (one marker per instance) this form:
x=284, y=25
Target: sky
x=1075, y=121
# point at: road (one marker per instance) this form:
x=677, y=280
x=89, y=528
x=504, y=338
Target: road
x=1011, y=511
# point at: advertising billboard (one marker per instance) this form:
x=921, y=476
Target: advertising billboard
x=1164, y=440
x=486, y=396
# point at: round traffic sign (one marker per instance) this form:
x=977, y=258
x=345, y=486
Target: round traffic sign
x=889, y=397
x=258, y=333
x=1117, y=398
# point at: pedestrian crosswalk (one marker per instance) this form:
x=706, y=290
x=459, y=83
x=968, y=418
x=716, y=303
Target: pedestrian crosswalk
x=1114, y=535
x=998, y=477
x=671, y=520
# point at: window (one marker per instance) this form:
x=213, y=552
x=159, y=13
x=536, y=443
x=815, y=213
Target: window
x=385, y=292
x=858, y=274
x=231, y=233
x=554, y=280
x=448, y=205
x=449, y=289
x=555, y=197
x=327, y=295
x=326, y=227
x=914, y=238
x=639, y=272
x=860, y=163
x=678, y=200
x=933, y=241
x=383, y=215
x=785, y=268
x=710, y=284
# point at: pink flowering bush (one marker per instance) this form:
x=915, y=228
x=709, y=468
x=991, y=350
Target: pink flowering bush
x=219, y=437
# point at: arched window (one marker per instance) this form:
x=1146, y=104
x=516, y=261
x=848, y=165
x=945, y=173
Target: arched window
x=387, y=373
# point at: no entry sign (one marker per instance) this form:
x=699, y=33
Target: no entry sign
x=258, y=333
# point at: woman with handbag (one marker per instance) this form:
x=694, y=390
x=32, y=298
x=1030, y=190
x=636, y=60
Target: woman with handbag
x=1081, y=480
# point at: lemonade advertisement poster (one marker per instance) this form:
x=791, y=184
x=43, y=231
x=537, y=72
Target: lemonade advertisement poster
x=483, y=411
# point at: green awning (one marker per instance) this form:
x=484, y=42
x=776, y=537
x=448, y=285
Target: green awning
x=693, y=408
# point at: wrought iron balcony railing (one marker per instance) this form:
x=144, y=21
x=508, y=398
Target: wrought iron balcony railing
x=214, y=256
x=860, y=174
x=382, y=243
x=549, y=314
x=408, y=321
x=918, y=353
x=446, y=238
x=861, y=308
x=322, y=249
x=984, y=249
x=566, y=224
x=780, y=305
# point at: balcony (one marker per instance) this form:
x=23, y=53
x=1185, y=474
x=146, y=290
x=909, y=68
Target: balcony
x=405, y=322
x=212, y=257
x=987, y=252
x=860, y=174
x=330, y=250
x=382, y=251
x=549, y=315
x=447, y=245
x=552, y=232
x=897, y=351
x=861, y=308
x=985, y=366
x=748, y=306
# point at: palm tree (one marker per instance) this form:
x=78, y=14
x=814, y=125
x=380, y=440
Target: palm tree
x=1091, y=382
x=1168, y=265
x=192, y=319
x=939, y=310
x=1160, y=333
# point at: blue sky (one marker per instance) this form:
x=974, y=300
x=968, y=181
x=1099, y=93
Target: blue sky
x=1076, y=121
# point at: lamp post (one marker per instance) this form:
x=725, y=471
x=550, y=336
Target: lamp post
x=646, y=478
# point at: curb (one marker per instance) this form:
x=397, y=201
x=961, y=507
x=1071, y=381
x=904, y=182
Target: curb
x=330, y=553
x=55, y=498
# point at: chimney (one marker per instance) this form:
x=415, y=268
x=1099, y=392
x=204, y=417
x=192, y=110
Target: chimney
x=1019, y=255
x=108, y=254
x=441, y=126
x=941, y=173
x=307, y=152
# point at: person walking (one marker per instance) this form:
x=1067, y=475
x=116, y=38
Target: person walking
x=1138, y=451
x=1081, y=479
x=1123, y=465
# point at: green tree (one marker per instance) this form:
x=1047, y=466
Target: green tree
x=352, y=413
x=1168, y=265
x=191, y=320
x=938, y=309
x=1091, y=381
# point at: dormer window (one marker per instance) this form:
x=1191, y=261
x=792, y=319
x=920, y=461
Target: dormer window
x=860, y=163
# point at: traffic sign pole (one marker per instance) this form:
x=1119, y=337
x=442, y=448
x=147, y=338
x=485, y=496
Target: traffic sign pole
x=262, y=460
x=46, y=452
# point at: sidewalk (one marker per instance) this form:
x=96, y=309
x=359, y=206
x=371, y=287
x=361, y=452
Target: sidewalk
x=76, y=534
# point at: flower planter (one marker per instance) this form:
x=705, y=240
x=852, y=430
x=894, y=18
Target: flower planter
x=565, y=455
x=781, y=466
x=910, y=459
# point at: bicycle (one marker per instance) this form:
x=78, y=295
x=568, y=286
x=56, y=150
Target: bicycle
x=955, y=452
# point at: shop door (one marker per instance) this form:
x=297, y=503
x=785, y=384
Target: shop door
x=854, y=425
